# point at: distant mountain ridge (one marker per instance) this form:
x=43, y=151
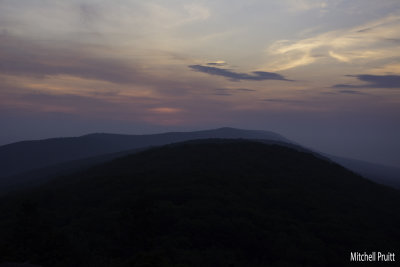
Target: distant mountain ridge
x=35, y=161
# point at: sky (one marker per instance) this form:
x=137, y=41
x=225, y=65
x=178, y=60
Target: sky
x=325, y=74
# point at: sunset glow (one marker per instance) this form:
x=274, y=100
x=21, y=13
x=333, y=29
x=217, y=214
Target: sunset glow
x=324, y=73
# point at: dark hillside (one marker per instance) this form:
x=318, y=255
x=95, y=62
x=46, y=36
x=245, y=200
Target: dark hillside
x=203, y=203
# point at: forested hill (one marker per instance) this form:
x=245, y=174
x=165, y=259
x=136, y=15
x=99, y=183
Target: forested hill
x=203, y=203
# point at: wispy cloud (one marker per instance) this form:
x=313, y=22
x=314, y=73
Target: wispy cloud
x=373, y=81
x=25, y=57
x=237, y=76
x=369, y=42
x=166, y=110
x=219, y=63
x=79, y=68
x=351, y=92
x=246, y=90
x=231, y=91
x=389, y=69
x=305, y=5
x=282, y=100
x=164, y=16
x=223, y=94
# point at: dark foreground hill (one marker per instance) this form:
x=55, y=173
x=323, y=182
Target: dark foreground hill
x=204, y=203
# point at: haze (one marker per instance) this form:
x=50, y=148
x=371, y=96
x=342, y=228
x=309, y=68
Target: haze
x=325, y=74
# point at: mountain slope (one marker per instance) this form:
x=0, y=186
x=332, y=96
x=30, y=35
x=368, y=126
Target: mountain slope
x=39, y=176
x=28, y=155
x=387, y=175
x=203, y=203
x=42, y=175
x=32, y=162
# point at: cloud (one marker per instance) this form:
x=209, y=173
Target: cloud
x=352, y=92
x=373, y=81
x=160, y=16
x=281, y=100
x=165, y=110
x=217, y=63
x=305, y=5
x=197, y=12
x=236, y=76
x=389, y=69
x=90, y=70
x=68, y=103
x=246, y=90
x=223, y=94
x=231, y=91
x=89, y=13
x=24, y=57
x=376, y=40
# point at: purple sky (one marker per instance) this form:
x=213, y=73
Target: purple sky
x=325, y=74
